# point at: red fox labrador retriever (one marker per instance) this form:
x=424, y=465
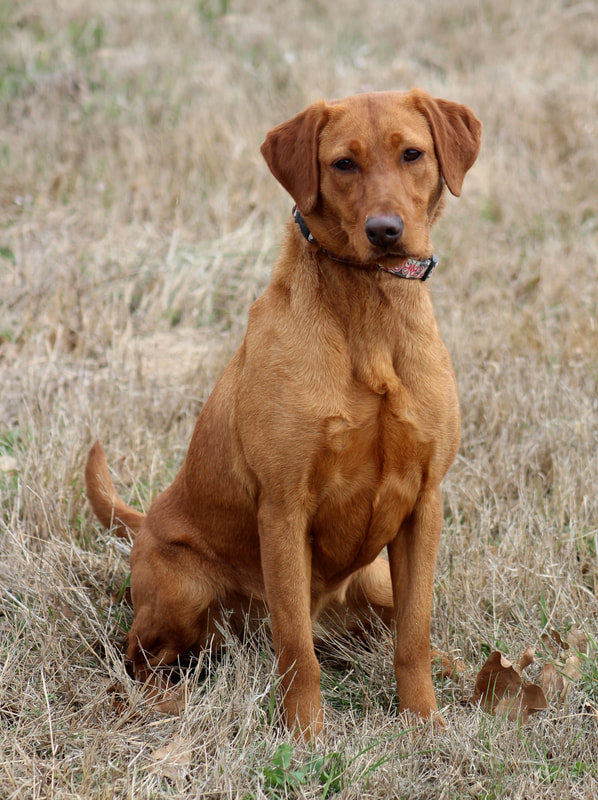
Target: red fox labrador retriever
x=328, y=434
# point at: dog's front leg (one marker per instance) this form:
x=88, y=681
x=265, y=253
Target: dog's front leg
x=412, y=557
x=286, y=565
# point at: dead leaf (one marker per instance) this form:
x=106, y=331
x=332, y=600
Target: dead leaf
x=495, y=680
x=119, y=700
x=445, y=665
x=557, y=679
x=572, y=674
x=553, y=641
x=527, y=701
x=526, y=659
x=500, y=690
x=171, y=700
x=572, y=670
x=173, y=760
x=532, y=700
x=551, y=681
x=578, y=641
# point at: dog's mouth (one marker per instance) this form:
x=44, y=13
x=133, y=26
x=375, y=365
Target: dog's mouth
x=368, y=254
x=392, y=258
x=375, y=257
x=396, y=260
x=395, y=254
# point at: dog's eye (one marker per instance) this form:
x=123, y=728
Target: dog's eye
x=411, y=155
x=345, y=165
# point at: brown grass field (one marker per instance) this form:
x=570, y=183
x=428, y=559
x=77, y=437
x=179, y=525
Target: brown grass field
x=137, y=223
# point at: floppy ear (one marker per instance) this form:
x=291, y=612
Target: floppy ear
x=291, y=152
x=457, y=134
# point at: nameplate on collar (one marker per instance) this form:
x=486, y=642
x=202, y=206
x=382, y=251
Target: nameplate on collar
x=412, y=269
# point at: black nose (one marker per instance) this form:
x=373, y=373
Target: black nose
x=384, y=231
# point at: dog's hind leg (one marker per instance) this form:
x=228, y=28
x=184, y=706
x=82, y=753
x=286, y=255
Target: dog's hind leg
x=363, y=602
x=174, y=604
x=370, y=593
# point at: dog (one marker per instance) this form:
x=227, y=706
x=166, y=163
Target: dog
x=328, y=434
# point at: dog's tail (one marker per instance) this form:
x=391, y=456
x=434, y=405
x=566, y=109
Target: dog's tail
x=108, y=507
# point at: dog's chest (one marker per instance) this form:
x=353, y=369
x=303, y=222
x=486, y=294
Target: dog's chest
x=367, y=480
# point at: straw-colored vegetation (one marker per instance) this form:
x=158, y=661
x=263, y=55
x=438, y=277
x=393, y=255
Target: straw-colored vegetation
x=137, y=223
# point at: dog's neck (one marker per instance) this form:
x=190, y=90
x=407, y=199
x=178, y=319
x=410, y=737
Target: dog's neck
x=413, y=268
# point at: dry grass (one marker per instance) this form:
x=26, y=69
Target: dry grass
x=137, y=222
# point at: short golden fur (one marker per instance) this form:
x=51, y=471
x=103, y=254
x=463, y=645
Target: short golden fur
x=329, y=432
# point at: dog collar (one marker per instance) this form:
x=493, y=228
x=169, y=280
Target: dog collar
x=413, y=268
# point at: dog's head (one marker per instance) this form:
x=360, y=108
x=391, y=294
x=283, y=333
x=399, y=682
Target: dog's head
x=368, y=172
